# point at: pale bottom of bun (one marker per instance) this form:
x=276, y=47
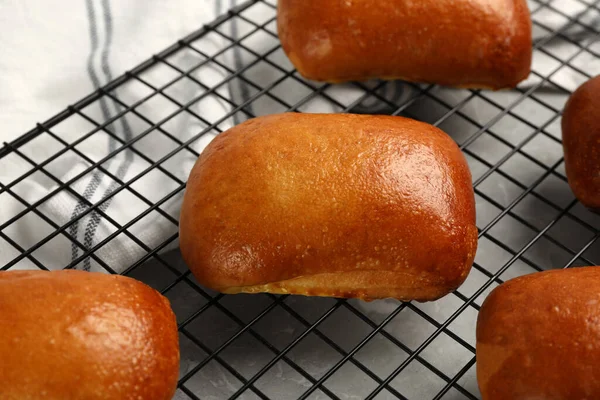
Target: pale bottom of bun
x=362, y=78
x=365, y=285
x=467, y=85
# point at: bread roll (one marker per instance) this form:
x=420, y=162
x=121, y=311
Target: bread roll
x=538, y=337
x=72, y=335
x=581, y=143
x=331, y=205
x=465, y=43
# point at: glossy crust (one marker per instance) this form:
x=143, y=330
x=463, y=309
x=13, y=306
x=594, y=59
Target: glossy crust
x=70, y=335
x=465, y=43
x=331, y=205
x=581, y=143
x=538, y=337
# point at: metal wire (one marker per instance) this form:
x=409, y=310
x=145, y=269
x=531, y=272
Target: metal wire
x=442, y=108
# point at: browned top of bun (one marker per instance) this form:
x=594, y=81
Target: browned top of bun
x=483, y=44
x=333, y=205
x=81, y=335
x=538, y=337
x=581, y=142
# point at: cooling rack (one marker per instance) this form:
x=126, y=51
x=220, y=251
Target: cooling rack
x=291, y=347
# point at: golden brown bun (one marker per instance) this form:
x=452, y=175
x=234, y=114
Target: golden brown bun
x=331, y=205
x=72, y=335
x=581, y=143
x=479, y=44
x=538, y=337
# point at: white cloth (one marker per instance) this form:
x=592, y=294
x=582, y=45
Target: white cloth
x=55, y=53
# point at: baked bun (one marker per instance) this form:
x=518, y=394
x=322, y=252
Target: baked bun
x=538, y=337
x=581, y=143
x=71, y=335
x=477, y=44
x=330, y=205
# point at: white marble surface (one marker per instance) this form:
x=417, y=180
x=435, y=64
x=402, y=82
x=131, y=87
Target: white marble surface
x=536, y=162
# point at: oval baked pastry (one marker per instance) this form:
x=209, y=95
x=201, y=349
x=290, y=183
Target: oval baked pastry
x=538, y=337
x=465, y=43
x=70, y=335
x=330, y=205
x=581, y=143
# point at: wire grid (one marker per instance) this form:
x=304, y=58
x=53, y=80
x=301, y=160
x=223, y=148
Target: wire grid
x=287, y=347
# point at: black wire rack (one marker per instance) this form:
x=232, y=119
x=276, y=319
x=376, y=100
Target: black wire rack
x=292, y=347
